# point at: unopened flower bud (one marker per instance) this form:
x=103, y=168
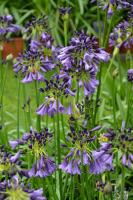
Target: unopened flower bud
x=9, y=57
x=24, y=37
x=108, y=188
x=116, y=50
x=115, y=74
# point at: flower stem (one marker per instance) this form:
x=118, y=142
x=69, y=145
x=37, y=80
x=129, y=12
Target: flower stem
x=86, y=179
x=120, y=74
x=62, y=122
x=108, y=176
x=19, y=77
x=54, y=146
x=58, y=150
x=2, y=93
x=122, y=182
x=38, y=116
x=82, y=177
x=128, y=106
x=107, y=74
x=73, y=182
x=77, y=93
x=65, y=33
x=65, y=186
x=99, y=22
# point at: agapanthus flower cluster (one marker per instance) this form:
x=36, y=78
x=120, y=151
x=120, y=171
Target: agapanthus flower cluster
x=35, y=143
x=100, y=186
x=46, y=47
x=26, y=108
x=80, y=141
x=125, y=197
x=30, y=64
x=125, y=31
x=64, y=13
x=5, y=27
x=54, y=91
x=122, y=143
x=37, y=26
x=11, y=164
x=130, y=75
x=113, y=5
x=80, y=60
x=15, y=190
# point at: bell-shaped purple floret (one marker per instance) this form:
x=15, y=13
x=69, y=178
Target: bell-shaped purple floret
x=26, y=137
x=42, y=110
x=61, y=108
x=110, y=12
x=124, y=159
x=99, y=168
x=96, y=128
x=76, y=170
x=80, y=83
x=69, y=168
x=123, y=125
x=54, y=107
x=64, y=164
x=109, y=162
x=131, y=156
x=13, y=144
x=38, y=165
x=92, y=168
x=15, y=158
x=50, y=166
x=42, y=161
x=69, y=111
x=70, y=92
x=129, y=163
x=86, y=93
x=86, y=160
x=130, y=71
x=97, y=154
x=40, y=173
x=105, y=146
x=32, y=171
x=25, y=79
x=36, y=193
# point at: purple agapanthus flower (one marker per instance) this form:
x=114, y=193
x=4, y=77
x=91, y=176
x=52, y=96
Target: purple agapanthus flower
x=32, y=64
x=130, y=75
x=80, y=60
x=113, y=5
x=35, y=143
x=5, y=27
x=64, y=13
x=37, y=26
x=15, y=189
x=54, y=91
x=122, y=143
x=11, y=164
x=81, y=142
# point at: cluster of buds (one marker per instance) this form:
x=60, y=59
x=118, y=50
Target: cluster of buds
x=64, y=13
x=35, y=143
x=100, y=187
x=25, y=107
x=37, y=26
x=130, y=75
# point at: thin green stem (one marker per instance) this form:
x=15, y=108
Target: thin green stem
x=62, y=122
x=73, y=183
x=65, y=33
x=2, y=92
x=99, y=22
x=71, y=188
x=86, y=180
x=1, y=68
x=107, y=74
x=19, y=77
x=105, y=25
x=77, y=99
x=6, y=176
x=120, y=74
x=82, y=176
x=58, y=150
x=54, y=147
x=65, y=186
x=123, y=182
x=108, y=33
x=128, y=106
x=38, y=116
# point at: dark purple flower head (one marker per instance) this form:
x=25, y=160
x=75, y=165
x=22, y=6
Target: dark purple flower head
x=37, y=25
x=54, y=91
x=5, y=27
x=31, y=64
x=64, y=13
x=11, y=163
x=130, y=75
x=122, y=143
x=113, y=5
x=16, y=190
x=80, y=60
x=100, y=186
x=81, y=142
x=35, y=143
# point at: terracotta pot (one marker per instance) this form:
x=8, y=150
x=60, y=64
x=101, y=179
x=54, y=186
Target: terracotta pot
x=14, y=47
x=124, y=50
x=108, y=49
